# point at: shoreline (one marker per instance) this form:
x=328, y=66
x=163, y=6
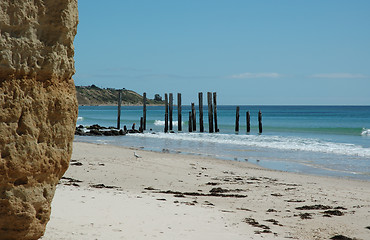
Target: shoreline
x=174, y=196
x=224, y=160
x=272, y=162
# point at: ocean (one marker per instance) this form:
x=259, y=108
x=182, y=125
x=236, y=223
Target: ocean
x=319, y=140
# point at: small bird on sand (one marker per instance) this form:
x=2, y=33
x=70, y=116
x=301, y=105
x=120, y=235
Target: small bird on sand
x=137, y=156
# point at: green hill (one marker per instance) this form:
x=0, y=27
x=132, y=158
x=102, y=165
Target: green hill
x=93, y=95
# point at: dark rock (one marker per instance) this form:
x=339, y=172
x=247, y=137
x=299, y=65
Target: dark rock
x=96, y=126
x=340, y=237
x=80, y=132
x=94, y=132
x=111, y=133
x=121, y=132
x=133, y=131
x=97, y=130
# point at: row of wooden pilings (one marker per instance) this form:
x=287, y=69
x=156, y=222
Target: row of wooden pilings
x=248, y=120
x=192, y=125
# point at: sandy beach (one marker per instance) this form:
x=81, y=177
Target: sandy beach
x=108, y=193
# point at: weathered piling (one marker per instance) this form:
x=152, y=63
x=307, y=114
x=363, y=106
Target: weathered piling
x=194, y=117
x=171, y=110
x=190, y=122
x=210, y=111
x=179, y=115
x=248, y=117
x=260, y=122
x=141, y=128
x=237, y=119
x=119, y=109
x=201, y=127
x=166, y=113
x=215, y=111
x=144, y=111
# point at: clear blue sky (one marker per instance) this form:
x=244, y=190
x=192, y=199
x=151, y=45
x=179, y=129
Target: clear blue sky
x=249, y=52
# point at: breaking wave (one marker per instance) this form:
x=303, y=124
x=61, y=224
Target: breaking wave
x=272, y=142
x=365, y=132
x=162, y=123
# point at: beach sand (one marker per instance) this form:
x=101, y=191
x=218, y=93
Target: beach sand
x=108, y=193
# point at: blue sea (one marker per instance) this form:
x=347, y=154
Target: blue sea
x=318, y=140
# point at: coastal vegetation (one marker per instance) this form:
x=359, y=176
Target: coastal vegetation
x=93, y=95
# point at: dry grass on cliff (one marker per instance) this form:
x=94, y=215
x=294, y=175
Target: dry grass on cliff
x=93, y=95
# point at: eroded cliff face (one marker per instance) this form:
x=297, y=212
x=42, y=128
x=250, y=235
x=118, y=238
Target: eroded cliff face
x=38, y=110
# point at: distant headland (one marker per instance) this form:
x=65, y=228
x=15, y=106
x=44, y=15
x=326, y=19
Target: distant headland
x=93, y=95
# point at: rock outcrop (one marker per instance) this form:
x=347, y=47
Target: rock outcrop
x=38, y=110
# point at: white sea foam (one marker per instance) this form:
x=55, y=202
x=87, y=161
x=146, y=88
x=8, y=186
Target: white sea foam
x=272, y=142
x=80, y=118
x=162, y=123
x=365, y=132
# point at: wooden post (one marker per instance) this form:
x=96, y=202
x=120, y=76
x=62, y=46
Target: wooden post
x=119, y=109
x=201, y=127
x=144, y=111
x=215, y=111
x=179, y=115
x=190, y=122
x=141, y=128
x=166, y=113
x=194, y=119
x=248, y=122
x=260, y=121
x=210, y=111
x=171, y=110
x=237, y=119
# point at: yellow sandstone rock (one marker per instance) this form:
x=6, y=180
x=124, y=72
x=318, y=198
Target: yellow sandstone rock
x=38, y=110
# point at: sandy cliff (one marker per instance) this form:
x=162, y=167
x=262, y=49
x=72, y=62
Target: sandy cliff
x=38, y=109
